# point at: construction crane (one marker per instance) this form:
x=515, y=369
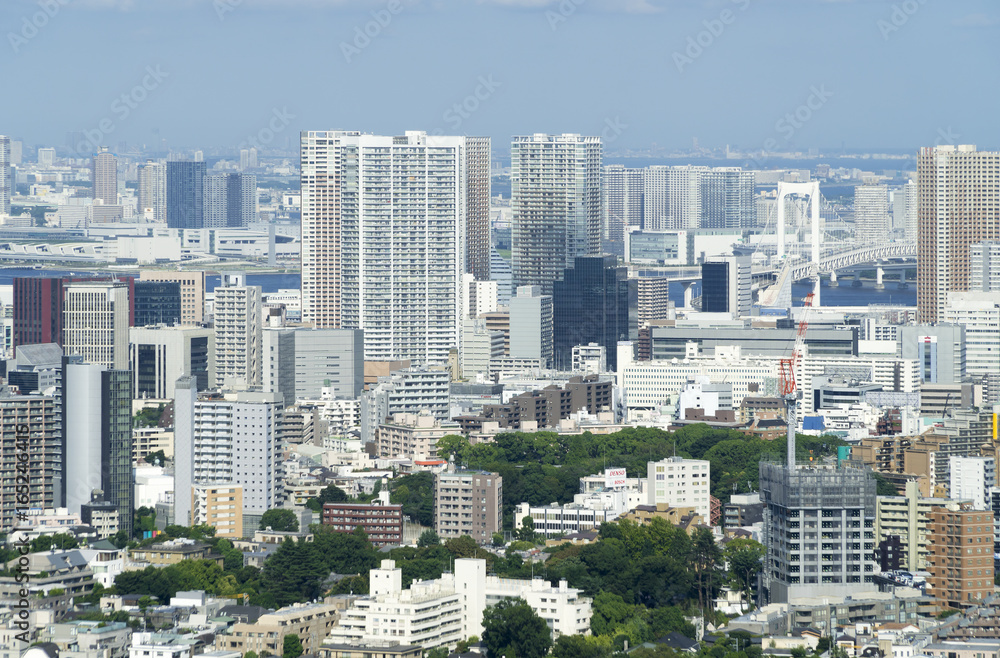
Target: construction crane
x=789, y=390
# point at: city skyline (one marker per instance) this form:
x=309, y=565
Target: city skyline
x=634, y=61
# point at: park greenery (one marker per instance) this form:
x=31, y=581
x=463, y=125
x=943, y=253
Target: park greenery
x=545, y=467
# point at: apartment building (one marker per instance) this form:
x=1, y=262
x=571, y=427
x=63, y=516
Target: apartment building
x=680, y=482
x=220, y=506
x=468, y=503
x=960, y=559
x=312, y=622
x=907, y=517
x=413, y=435
x=382, y=522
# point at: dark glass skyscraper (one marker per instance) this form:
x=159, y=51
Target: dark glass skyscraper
x=157, y=302
x=186, y=194
x=593, y=303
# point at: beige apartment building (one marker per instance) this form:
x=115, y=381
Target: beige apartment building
x=311, y=622
x=413, y=435
x=219, y=505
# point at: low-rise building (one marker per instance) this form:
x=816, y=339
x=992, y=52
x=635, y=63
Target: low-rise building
x=413, y=435
x=161, y=645
x=105, y=560
x=382, y=522
x=386, y=649
x=441, y=612
x=90, y=638
x=173, y=551
x=311, y=622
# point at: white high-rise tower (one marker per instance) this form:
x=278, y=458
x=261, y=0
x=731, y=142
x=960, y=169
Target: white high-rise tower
x=556, y=203
x=383, y=239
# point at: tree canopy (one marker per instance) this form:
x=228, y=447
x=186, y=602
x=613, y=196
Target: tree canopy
x=512, y=628
x=279, y=520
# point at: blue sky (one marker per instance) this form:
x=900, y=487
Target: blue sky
x=877, y=74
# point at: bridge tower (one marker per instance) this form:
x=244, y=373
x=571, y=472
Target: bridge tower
x=810, y=190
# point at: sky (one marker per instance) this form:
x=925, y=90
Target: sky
x=864, y=75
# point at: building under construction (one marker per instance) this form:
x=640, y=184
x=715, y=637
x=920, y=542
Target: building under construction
x=819, y=530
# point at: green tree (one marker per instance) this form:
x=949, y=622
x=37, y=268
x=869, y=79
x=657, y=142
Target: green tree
x=279, y=520
x=331, y=494
x=250, y=654
x=464, y=546
x=158, y=457
x=527, y=530
x=706, y=556
x=437, y=652
x=452, y=445
x=577, y=646
x=609, y=612
x=512, y=628
x=744, y=557
x=428, y=538
x=292, y=647
x=497, y=539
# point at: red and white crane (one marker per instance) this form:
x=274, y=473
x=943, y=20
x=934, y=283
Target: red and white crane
x=787, y=368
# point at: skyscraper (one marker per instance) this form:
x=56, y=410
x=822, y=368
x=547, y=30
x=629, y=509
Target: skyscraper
x=6, y=179
x=556, y=204
x=383, y=239
x=104, y=177
x=727, y=198
x=237, y=333
x=958, y=205
x=96, y=317
x=904, y=211
x=478, y=240
x=591, y=304
x=186, y=194
x=623, y=198
x=871, y=214
x=153, y=191
x=97, y=431
x=984, y=267
x=230, y=200
x=672, y=198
